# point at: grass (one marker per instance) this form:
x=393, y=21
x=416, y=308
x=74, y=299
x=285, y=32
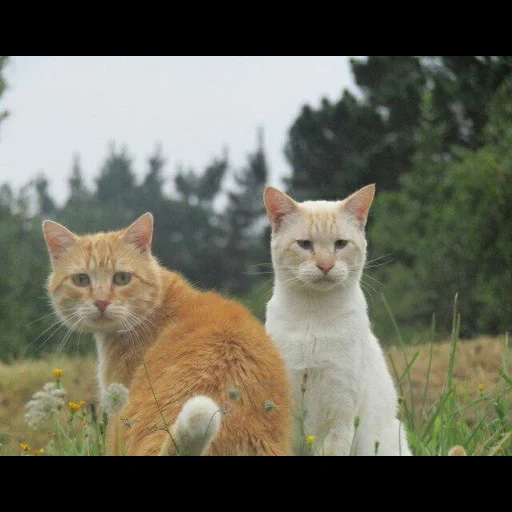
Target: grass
x=457, y=393
x=472, y=407
x=453, y=393
x=19, y=381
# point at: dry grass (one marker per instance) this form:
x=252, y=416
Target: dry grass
x=477, y=362
x=18, y=382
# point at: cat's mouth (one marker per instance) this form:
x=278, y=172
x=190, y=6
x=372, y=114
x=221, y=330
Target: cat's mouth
x=324, y=282
x=103, y=319
x=102, y=322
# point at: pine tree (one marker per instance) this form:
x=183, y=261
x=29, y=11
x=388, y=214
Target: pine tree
x=340, y=147
x=116, y=190
x=46, y=205
x=78, y=192
x=194, y=231
x=151, y=190
x=244, y=217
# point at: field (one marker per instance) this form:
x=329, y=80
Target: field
x=459, y=396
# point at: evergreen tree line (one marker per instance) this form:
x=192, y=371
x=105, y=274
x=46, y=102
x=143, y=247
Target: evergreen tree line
x=433, y=132
x=212, y=246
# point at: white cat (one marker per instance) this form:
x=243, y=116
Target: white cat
x=318, y=319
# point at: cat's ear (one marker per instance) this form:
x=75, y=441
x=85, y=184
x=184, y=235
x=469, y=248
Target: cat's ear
x=278, y=206
x=58, y=239
x=358, y=204
x=140, y=233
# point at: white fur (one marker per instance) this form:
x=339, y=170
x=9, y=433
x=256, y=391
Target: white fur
x=323, y=329
x=197, y=425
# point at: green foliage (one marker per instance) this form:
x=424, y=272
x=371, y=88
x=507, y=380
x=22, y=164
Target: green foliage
x=203, y=188
x=340, y=147
x=243, y=218
x=335, y=149
x=434, y=134
x=463, y=89
x=480, y=424
x=436, y=430
x=190, y=236
x=450, y=231
x=23, y=304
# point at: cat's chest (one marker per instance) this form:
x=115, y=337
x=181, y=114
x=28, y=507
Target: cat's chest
x=306, y=344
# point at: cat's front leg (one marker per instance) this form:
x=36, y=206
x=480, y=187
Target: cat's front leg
x=341, y=440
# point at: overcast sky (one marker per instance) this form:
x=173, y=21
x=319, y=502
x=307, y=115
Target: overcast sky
x=192, y=106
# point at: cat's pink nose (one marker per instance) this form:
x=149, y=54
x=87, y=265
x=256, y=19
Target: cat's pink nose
x=324, y=267
x=102, y=305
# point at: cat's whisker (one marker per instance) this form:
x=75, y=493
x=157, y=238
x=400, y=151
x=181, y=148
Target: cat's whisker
x=48, y=315
x=265, y=297
x=369, y=262
x=367, y=276
x=60, y=325
x=80, y=332
x=133, y=327
x=40, y=318
x=261, y=265
x=371, y=293
x=266, y=282
x=379, y=265
x=258, y=273
x=368, y=287
x=250, y=271
x=140, y=320
x=56, y=326
x=68, y=335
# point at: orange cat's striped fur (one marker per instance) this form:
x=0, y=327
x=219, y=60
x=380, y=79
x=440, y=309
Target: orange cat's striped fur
x=200, y=360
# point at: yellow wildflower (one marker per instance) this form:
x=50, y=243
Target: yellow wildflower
x=57, y=373
x=38, y=452
x=310, y=440
x=74, y=407
x=24, y=447
x=481, y=387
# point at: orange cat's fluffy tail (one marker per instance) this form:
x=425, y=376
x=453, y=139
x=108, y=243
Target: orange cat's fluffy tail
x=196, y=427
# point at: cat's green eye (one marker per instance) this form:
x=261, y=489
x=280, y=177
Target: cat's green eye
x=122, y=278
x=305, y=244
x=81, y=279
x=339, y=244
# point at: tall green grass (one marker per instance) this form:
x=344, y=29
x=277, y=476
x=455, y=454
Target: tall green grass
x=432, y=430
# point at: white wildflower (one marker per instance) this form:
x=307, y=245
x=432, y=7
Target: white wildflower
x=44, y=404
x=114, y=398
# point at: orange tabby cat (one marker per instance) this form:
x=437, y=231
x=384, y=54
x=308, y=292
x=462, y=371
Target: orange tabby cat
x=202, y=374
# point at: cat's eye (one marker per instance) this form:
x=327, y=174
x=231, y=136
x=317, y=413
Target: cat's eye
x=305, y=244
x=122, y=278
x=339, y=244
x=81, y=279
